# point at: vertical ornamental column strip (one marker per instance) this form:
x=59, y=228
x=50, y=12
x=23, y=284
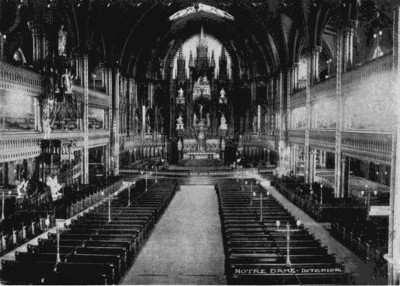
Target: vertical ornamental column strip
x=393, y=256
x=85, y=82
x=116, y=118
x=339, y=121
x=281, y=107
x=308, y=114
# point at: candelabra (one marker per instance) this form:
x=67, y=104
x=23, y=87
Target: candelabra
x=94, y=81
x=288, y=231
x=109, y=207
x=320, y=195
x=146, y=181
x=329, y=62
x=367, y=201
x=58, y=259
x=261, y=204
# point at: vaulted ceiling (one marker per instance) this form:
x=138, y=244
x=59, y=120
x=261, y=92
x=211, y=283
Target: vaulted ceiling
x=139, y=37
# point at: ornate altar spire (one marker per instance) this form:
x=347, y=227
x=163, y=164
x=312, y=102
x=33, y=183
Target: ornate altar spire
x=181, y=72
x=191, y=60
x=212, y=63
x=180, y=54
x=202, y=60
x=202, y=38
x=223, y=66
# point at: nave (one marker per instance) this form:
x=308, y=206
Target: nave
x=184, y=245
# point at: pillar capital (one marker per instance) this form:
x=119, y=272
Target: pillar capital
x=316, y=49
x=35, y=27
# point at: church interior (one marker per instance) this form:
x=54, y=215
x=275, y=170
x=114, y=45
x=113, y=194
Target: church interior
x=206, y=142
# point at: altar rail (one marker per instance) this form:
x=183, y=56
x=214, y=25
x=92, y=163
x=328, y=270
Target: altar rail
x=186, y=173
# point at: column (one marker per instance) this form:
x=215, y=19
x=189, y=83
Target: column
x=43, y=41
x=289, y=91
x=339, y=125
x=85, y=82
x=346, y=175
x=151, y=93
x=313, y=155
x=103, y=75
x=129, y=116
x=348, y=47
x=259, y=118
x=281, y=107
x=35, y=104
x=35, y=29
x=2, y=42
x=295, y=159
x=116, y=122
x=351, y=44
x=316, y=54
x=393, y=256
x=143, y=120
x=308, y=114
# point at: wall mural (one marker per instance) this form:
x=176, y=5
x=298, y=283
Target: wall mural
x=369, y=104
x=324, y=114
x=298, y=118
x=17, y=110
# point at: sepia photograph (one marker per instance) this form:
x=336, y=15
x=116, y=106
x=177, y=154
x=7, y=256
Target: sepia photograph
x=199, y=142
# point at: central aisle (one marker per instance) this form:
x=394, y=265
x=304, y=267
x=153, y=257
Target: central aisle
x=186, y=245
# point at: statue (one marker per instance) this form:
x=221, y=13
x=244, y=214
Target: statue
x=22, y=187
x=46, y=128
x=180, y=93
x=55, y=187
x=201, y=111
x=208, y=119
x=222, y=98
x=255, y=124
x=222, y=93
x=223, y=125
x=66, y=81
x=136, y=124
x=223, y=119
x=62, y=41
x=179, y=120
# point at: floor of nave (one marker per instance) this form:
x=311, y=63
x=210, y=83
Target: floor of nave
x=186, y=245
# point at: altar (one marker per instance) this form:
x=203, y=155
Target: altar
x=201, y=155
x=201, y=149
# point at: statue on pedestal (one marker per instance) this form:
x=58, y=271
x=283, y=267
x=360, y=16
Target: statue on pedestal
x=62, y=41
x=180, y=93
x=223, y=125
x=201, y=111
x=255, y=124
x=180, y=99
x=222, y=98
x=179, y=123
